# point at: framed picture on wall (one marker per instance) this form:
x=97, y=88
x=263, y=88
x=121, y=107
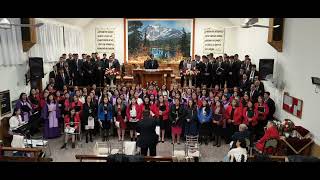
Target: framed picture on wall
x=292, y=105
x=169, y=40
x=5, y=103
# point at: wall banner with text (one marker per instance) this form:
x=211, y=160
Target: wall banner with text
x=105, y=40
x=213, y=41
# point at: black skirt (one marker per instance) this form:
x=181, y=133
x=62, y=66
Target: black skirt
x=205, y=129
x=106, y=124
x=218, y=130
x=131, y=125
x=164, y=125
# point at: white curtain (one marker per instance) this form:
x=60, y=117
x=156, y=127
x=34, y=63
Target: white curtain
x=74, y=40
x=50, y=45
x=11, y=51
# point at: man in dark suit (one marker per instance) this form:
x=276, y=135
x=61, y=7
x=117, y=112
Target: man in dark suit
x=61, y=62
x=88, y=73
x=77, y=72
x=259, y=87
x=151, y=63
x=70, y=58
x=207, y=72
x=53, y=73
x=253, y=72
x=112, y=63
x=219, y=72
x=244, y=84
x=271, y=105
x=253, y=94
x=61, y=80
x=199, y=67
x=148, y=138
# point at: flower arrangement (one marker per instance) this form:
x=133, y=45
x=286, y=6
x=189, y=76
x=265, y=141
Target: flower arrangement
x=111, y=73
x=287, y=126
x=154, y=84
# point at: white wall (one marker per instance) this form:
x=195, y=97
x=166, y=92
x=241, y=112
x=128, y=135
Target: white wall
x=202, y=23
x=295, y=65
x=89, y=34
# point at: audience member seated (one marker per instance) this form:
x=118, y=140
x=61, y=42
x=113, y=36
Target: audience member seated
x=238, y=154
x=271, y=132
x=242, y=134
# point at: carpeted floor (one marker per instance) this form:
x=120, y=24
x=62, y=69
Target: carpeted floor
x=209, y=153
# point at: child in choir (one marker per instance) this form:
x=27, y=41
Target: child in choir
x=162, y=113
x=204, y=117
x=134, y=113
x=50, y=114
x=191, y=123
x=177, y=115
x=219, y=122
x=119, y=112
x=24, y=104
x=105, y=117
x=71, y=120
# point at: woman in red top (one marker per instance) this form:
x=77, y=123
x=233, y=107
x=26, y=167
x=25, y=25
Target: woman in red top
x=250, y=118
x=233, y=116
x=134, y=113
x=72, y=121
x=163, y=114
x=262, y=108
x=77, y=105
x=119, y=114
x=43, y=100
x=66, y=104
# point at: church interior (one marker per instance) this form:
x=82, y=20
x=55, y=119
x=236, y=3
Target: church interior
x=159, y=89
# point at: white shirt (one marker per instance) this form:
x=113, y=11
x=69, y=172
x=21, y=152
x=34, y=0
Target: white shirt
x=139, y=101
x=15, y=121
x=82, y=100
x=237, y=153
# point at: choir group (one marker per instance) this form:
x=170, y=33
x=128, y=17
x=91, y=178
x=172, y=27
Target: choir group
x=227, y=93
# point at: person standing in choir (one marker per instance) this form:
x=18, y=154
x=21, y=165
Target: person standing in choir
x=88, y=116
x=119, y=111
x=105, y=117
x=204, y=117
x=134, y=113
x=262, y=108
x=71, y=120
x=218, y=121
x=233, y=116
x=50, y=114
x=191, y=124
x=177, y=115
x=34, y=100
x=25, y=106
x=250, y=118
x=162, y=113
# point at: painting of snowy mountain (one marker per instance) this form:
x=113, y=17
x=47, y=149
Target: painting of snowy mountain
x=168, y=40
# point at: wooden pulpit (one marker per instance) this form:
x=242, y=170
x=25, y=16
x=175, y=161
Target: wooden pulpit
x=161, y=76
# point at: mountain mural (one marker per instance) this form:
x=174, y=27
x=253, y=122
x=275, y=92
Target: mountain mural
x=157, y=32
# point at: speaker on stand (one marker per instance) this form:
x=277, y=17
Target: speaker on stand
x=36, y=72
x=265, y=67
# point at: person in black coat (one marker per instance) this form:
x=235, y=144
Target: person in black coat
x=89, y=110
x=252, y=73
x=61, y=80
x=253, y=93
x=77, y=71
x=244, y=84
x=148, y=138
x=61, y=62
x=207, y=72
x=271, y=105
x=151, y=63
x=200, y=68
x=88, y=71
x=219, y=72
x=53, y=73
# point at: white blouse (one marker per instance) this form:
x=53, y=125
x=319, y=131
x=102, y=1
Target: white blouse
x=237, y=153
x=14, y=122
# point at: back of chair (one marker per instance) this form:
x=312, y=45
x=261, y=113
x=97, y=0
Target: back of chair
x=192, y=139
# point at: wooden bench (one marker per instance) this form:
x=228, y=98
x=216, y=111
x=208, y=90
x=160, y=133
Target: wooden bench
x=104, y=158
x=34, y=158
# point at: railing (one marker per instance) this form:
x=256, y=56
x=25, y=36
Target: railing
x=104, y=158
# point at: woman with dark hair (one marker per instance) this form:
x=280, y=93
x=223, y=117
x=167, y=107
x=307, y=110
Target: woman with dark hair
x=238, y=154
x=244, y=100
x=66, y=104
x=105, y=117
x=34, y=100
x=233, y=116
x=119, y=111
x=204, y=117
x=191, y=124
x=50, y=114
x=25, y=106
x=219, y=122
x=77, y=105
x=162, y=112
x=15, y=120
x=164, y=91
x=88, y=118
x=177, y=115
x=71, y=120
x=263, y=110
x=134, y=113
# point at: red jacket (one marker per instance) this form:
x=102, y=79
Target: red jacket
x=76, y=120
x=154, y=92
x=139, y=112
x=254, y=118
x=270, y=133
x=67, y=105
x=165, y=114
x=73, y=104
x=237, y=117
x=266, y=110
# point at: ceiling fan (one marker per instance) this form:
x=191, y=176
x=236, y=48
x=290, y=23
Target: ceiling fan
x=6, y=24
x=251, y=22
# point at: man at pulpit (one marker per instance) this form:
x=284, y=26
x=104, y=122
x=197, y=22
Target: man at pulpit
x=151, y=63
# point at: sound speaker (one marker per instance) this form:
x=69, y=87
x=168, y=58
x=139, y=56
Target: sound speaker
x=36, y=68
x=265, y=67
